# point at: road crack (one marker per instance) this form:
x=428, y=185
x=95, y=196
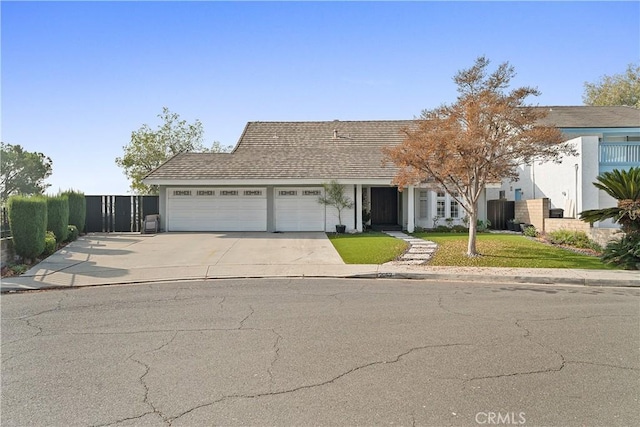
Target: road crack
x=393, y=360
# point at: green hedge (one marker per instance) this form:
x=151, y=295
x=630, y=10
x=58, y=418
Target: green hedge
x=58, y=216
x=72, y=235
x=77, y=209
x=28, y=223
x=49, y=244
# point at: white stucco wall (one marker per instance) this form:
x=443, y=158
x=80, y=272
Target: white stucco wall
x=348, y=215
x=559, y=182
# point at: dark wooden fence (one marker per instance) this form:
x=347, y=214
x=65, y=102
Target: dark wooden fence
x=499, y=212
x=118, y=213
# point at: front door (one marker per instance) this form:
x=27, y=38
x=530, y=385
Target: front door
x=384, y=205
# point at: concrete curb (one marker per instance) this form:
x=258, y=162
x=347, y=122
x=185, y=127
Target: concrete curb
x=504, y=279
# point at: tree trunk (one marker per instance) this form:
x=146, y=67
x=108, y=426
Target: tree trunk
x=473, y=225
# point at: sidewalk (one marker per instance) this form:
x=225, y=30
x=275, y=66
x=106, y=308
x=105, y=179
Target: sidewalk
x=117, y=260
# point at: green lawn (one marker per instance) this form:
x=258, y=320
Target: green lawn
x=505, y=250
x=367, y=248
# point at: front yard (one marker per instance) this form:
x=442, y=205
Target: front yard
x=497, y=250
x=506, y=250
x=371, y=247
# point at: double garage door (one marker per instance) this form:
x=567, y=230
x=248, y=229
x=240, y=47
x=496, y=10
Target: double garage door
x=217, y=209
x=243, y=209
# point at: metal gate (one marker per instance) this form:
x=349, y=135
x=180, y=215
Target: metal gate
x=118, y=213
x=499, y=212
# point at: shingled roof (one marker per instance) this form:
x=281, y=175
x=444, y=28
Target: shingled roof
x=338, y=149
x=592, y=117
x=295, y=150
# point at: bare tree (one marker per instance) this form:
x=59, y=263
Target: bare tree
x=480, y=139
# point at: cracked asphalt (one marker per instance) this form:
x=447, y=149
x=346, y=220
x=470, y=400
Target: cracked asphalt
x=321, y=352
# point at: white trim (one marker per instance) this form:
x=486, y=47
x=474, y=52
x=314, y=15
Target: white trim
x=263, y=182
x=411, y=210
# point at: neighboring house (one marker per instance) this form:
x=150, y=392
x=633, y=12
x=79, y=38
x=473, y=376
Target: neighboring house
x=605, y=138
x=272, y=179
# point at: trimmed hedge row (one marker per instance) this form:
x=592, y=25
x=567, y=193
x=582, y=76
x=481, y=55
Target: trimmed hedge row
x=36, y=220
x=58, y=217
x=28, y=222
x=77, y=209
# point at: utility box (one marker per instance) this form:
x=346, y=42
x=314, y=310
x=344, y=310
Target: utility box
x=556, y=213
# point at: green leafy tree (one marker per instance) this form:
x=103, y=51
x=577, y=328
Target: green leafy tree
x=480, y=139
x=23, y=172
x=624, y=186
x=335, y=195
x=149, y=148
x=619, y=89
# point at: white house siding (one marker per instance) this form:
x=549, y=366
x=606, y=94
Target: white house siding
x=568, y=185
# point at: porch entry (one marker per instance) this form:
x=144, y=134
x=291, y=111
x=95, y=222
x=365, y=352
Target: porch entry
x=384, y=206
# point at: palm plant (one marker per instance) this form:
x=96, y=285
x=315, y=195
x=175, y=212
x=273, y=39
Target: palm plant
x=624, y=186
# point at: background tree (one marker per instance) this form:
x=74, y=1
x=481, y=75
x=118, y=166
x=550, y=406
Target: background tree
x=482, y=138
x=619, y=89
x=149, y=148
x=22, y=172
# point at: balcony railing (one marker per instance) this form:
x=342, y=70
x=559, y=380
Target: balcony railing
x=620, y=154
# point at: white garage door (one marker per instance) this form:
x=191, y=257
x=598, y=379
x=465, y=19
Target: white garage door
x=297, y=209
x=217, y=209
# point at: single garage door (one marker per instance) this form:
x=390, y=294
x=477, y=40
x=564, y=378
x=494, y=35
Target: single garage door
x=297, y=209
x=217, y=209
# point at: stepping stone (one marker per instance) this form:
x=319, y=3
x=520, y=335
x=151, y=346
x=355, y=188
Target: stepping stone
x=416, y=256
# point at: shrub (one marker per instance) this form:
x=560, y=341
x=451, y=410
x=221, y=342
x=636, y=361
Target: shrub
x=483, y=225
x=623, y=253
x=28, y=223
x=530, y=231
x=72, y=233
x=77, y=209
x=442, y=229
x=459, y=229
x=49, y=244
x=577, y=239
x=58, y=216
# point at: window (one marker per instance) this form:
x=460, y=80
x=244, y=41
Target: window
x=253, y=192
x=205, y=193
x=181, y=192
x=455, y=208
x=441, y=205
x=228, y=192
x=311, y=192
x=287, y=193
x=502, y=195
x=423, y=208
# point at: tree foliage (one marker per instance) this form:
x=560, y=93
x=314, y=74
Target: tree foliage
x=335, y=195
x=480, y=139
x=149, y=148
x=619, y=89
x=624, y=186
x=23, y=172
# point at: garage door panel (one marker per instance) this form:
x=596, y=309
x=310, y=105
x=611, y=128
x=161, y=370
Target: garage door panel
x=297, y=209
x=212, y=211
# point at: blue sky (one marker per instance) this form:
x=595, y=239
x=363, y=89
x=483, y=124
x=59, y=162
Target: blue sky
x=79, y=77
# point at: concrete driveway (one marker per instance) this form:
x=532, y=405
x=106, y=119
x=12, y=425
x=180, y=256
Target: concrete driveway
x=128, y=258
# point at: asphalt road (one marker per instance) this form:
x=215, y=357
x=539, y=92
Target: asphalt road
x=321, y=352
